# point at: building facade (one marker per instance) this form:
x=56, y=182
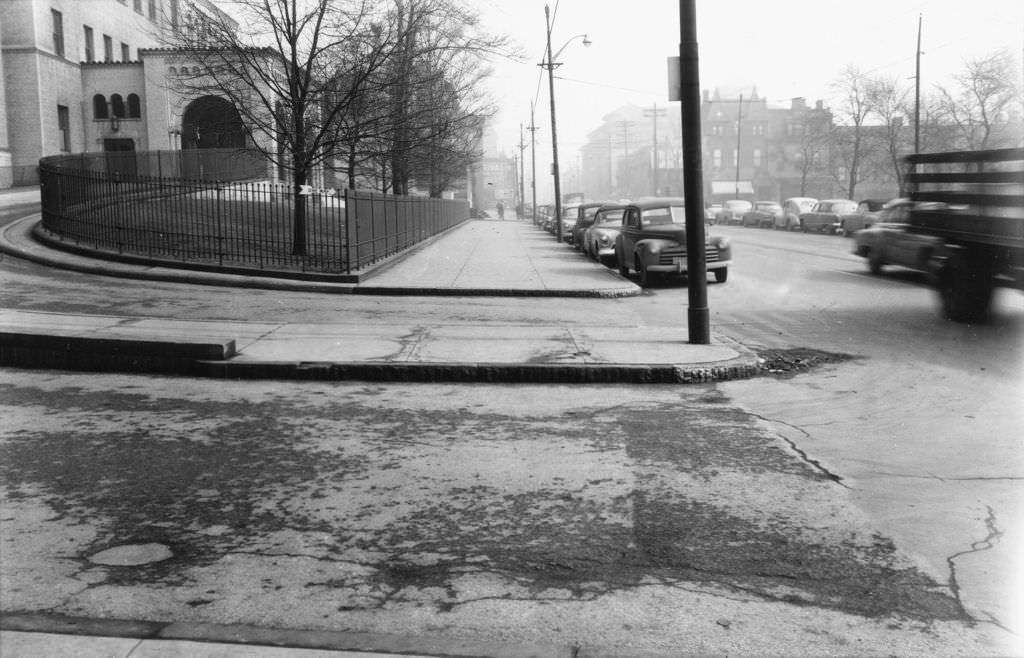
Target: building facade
x=92, y=75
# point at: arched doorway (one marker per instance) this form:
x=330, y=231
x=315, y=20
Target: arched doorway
x=211, y=122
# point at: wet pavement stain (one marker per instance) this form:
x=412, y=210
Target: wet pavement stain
x=209, y=478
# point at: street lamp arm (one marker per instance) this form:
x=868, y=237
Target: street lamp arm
x=586, y=42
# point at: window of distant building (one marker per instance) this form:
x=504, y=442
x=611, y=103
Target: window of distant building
x=99, y=107
x=735, y=157
x=152, y=10
x=758, y=129
x=90, y=54
x=58, y=32
x=716, y=130
x=108, y=48
x=64, y=126
x=134, y=107
x=117, y=106
x=138, y=6
x=757, y=157
x=716, y=158
x=126, y=55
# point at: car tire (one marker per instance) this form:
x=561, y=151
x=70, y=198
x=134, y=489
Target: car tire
x=722, y=275
x=874, y=261
x=642, y=273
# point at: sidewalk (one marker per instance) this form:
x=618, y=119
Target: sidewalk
x=494, y=258
x=490, y=258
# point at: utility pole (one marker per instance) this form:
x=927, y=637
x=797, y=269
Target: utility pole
x=522, y=197
x=655, y=113
x=917, y=90
x=533, y=163
x=698, y=315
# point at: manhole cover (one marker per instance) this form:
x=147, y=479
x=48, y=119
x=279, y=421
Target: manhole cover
x=131, y=555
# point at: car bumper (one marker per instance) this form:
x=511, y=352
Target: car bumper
x=681, y=266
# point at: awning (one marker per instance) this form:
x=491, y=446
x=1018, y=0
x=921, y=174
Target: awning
x=729, y=187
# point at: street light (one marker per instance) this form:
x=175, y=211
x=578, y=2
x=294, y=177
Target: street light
x=550, y=66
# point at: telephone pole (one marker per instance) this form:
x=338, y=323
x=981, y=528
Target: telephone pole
x=533, y=163
x=522, y=197
x=654, y=113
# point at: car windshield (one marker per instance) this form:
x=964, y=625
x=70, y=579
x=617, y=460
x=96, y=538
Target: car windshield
x=768, y=206
x=609, y=219
x=664, y=215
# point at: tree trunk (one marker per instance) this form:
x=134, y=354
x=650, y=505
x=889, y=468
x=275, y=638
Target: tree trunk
x=299, y=214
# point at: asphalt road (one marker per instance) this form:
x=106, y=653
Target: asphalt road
x=871, y=506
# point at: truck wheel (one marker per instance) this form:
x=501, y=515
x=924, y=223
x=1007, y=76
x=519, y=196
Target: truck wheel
x=965, y=288
x=722, y=275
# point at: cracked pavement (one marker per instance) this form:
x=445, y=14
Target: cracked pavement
x=657, y=518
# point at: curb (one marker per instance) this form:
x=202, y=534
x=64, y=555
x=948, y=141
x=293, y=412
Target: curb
x=242, y=634
x=152, y=269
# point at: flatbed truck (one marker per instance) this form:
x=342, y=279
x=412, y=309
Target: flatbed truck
x=973, y=201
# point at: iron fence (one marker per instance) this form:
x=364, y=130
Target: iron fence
x=119, y=205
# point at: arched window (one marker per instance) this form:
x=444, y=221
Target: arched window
x=117, y=106
x=99, y=107
x=134, y=107
x=184, y=70
x=172, y=71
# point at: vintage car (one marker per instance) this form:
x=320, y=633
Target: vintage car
x=599, y=238
x=792, y=208
x=764, y=214
x=585, y=214
x=711, y=213
x=569, y=216
x=732, y=211
x=863, y=217
x=653, y=241
x=824, y=217
x=888, y=242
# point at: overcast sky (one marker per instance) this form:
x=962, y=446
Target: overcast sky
x=787, y=48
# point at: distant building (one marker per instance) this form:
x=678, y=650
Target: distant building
x=92, y=76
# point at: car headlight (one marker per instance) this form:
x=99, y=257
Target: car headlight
x=721, y=243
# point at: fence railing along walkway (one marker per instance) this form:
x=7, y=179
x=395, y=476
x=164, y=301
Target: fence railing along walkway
x=118, y=205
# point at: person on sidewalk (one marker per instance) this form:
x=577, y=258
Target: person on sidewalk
x=501, y=210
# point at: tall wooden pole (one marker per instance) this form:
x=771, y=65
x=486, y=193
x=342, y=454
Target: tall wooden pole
x=917, y=91
x=698, y=316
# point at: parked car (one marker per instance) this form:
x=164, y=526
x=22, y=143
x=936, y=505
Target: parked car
x=732, y=211
x=711, y=213
x=764, y=214
x=585, y=215
x=599, y=238
x=792, y=208
x=887, y=241
x=652, y=241
x=569, y=216
x=824, y=217
x=863, y=217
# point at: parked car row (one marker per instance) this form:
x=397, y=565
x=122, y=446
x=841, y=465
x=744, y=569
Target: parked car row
x=647, y=237
x=841, y=216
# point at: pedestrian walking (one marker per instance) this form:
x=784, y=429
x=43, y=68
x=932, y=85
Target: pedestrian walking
x=501, y=210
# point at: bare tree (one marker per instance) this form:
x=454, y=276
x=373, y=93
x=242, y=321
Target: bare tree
x=278, y=61
x=981, y=98
x=438, y=104
x=886, y=99
x=850, y=140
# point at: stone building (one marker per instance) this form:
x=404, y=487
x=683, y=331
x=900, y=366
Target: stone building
x=86, y=76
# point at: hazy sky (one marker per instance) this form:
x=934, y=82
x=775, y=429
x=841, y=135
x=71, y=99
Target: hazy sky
x=786, y=48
